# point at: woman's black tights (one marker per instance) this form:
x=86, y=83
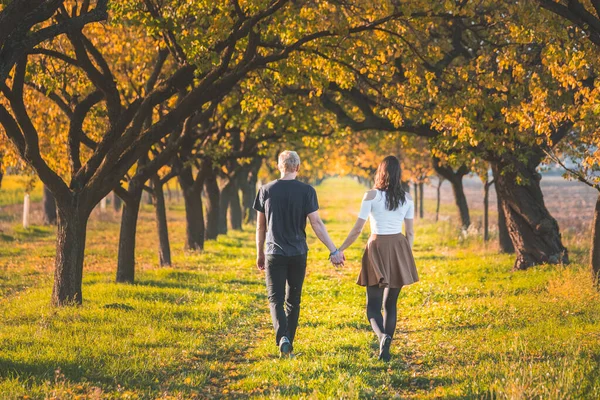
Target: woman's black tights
x=376, y=299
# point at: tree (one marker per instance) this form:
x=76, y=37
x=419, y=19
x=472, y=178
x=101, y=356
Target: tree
x=455, y=178
x=459, y=74
x=577, y=71
x=208, y=63
x=586, y=167
x=19, y=18
x=158, y=195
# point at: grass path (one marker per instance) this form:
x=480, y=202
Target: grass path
x=469, y=329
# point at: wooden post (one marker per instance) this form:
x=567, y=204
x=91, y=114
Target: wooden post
x=26, y=206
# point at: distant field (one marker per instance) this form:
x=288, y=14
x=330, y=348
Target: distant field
x=570, y=202
x=13, y=190
x=201, y=329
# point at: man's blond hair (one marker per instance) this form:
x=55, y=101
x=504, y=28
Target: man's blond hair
x=288, y=161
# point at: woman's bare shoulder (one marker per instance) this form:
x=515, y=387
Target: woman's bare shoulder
x=370, y=195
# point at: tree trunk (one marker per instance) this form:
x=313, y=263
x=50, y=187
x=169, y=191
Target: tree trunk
x=416, y=199
x=1, y=176
x=533, y=231
x=248, y=187
x=224, y=202
x=595, y=248
x=70, y=248
x=504, y=240
x=169, y=194
x=164, y=248
x=49, y=205
x=455, y=178
x=248, y=196
x=147, y=198
x=212, y=206
x=194, y=215
x=461, y=202
x=129, y=218
x=421, y=200
x=235, y=209
x=116, y=202
x=486, y=203
x=437, y=206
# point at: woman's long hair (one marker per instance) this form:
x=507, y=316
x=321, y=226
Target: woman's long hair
x=387, y=179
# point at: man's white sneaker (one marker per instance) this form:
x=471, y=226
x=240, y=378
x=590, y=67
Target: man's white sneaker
x=285, y=347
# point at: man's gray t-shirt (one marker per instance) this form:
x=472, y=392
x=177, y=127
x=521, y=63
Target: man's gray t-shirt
x=286, y=204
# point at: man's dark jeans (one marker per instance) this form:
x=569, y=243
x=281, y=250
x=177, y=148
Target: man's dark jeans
x=285, y=276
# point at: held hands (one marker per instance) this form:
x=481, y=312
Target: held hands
x=337, y=258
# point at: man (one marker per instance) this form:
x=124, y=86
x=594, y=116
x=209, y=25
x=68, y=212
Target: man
x=282, y=207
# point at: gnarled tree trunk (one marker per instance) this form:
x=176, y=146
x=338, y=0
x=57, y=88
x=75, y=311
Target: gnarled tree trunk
x=49, y=205
x=211, y=189
x=595, y=248
x=164, y=247
x=504, y=240
x=129, y=219
x=70, y=248
x=194, y=215
x=534, y=232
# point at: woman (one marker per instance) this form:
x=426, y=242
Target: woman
x=387, y=262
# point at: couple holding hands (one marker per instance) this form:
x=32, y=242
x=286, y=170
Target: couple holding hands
x=387, y=264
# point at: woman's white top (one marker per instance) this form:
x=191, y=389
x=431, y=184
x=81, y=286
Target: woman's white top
x=384, y=221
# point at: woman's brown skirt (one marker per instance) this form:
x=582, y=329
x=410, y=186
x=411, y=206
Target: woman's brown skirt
x=388, y=262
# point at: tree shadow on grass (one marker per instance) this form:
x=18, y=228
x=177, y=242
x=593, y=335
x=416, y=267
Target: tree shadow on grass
x=33, y=233
x=361, y=326
x=151, y=383
x=6, y=238
x=84, y=371
x=27, y=235
x=194, y=285
x=230, y=241
x=433, y=257
x=455, y=328
x=245, y=282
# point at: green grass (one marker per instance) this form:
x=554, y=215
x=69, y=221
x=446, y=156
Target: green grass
x=13, y=190
x=469, y=329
